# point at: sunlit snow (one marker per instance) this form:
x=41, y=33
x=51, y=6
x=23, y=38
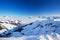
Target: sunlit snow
x=30, y=28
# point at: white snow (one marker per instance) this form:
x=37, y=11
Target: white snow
x=40, y=29
x=58, y=36
x=33, y=25
x=8, y=26
x=3, y=30
x=42, y=37
x=56, y=19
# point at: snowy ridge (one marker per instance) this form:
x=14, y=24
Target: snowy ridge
x=32, y=29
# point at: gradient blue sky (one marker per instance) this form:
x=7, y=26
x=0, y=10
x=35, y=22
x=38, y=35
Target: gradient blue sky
x=29, y=7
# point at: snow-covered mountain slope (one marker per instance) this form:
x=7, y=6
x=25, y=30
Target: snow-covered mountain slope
x=32, y=29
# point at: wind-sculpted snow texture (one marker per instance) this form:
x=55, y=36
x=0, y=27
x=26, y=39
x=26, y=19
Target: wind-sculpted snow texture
x=37, y=30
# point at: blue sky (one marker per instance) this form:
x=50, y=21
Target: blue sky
x=29, y=7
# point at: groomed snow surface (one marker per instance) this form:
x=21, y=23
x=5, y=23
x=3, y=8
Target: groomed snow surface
x=36, y=30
